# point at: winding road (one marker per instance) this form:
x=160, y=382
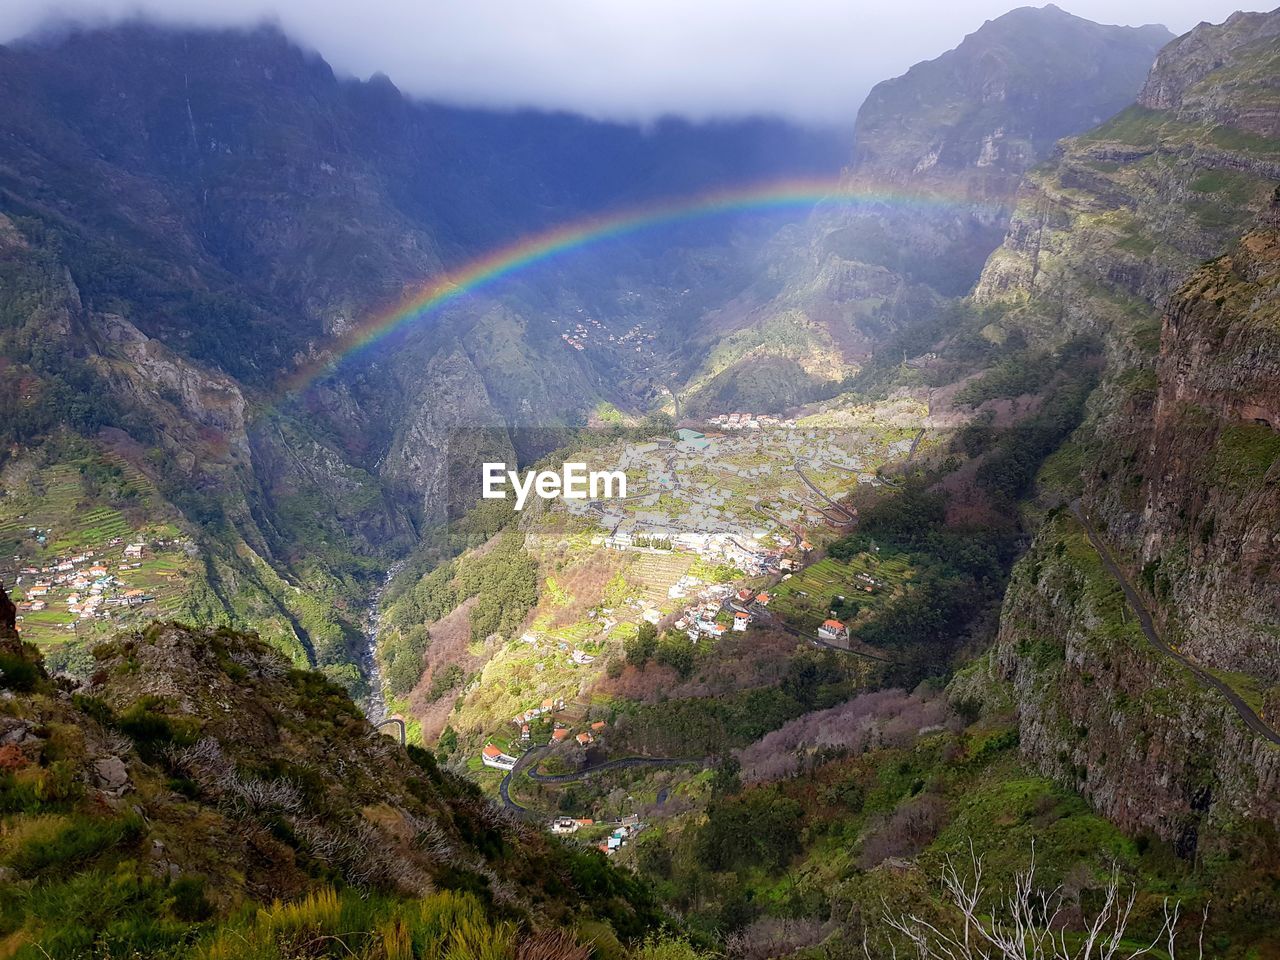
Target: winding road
x=1246, y=712
x=528, y=764
x=839, y=508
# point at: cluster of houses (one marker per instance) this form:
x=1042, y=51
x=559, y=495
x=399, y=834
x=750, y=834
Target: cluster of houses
x=580, y=332
x=622, y=834
x=744, y=421
x=84, y=582
x=493, y=756
x=709, y=610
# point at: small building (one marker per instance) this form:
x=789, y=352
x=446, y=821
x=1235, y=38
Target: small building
x=562, y=825
x=584, y=738
x=833, y=631
x=598, y=726
x=740, y=621
x=493, y=757
x=559, y=734
x=524, y=731
x=763, y=599
x=133, y=551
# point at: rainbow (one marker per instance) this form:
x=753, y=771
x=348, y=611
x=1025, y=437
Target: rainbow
x=538, y=247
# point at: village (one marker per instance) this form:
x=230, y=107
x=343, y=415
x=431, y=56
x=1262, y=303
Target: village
x=83, y=582
x=87, y=588
x=749, y=495
x=722, y=533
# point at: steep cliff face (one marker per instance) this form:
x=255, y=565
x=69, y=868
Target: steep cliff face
x=1129, y=728
x=1210, y=469
x=1176, y=75
x=1179, y=453
x=938, y=155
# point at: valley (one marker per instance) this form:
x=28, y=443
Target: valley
x=948, y=540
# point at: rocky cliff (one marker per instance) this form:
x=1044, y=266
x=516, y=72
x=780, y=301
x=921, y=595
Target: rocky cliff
x=1210, y=466
x=1178, y=455
x=1149, y=745
x=938, y=156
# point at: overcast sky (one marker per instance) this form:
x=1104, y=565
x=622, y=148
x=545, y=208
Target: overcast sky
x=811, y=60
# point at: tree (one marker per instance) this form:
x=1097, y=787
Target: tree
x=1024, y=924
x=641, y=648
x=675, y=650
x=726, y=776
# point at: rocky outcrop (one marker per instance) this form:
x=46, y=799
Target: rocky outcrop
x=1178, y=455
x=1210, y=523
x=192, y=750
x=203, y=409
x=1176, y=75
x=449, y=427
x=1104, y=712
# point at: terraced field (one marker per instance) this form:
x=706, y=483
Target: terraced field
x=96, y=502
x=806, y=598
x=654, y=573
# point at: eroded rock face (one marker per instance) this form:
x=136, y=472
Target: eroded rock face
x=1178, y=456
x=1128, y=728
x=446, y=422
x=200, y=405
x=1176, y=75
x=1210, y=524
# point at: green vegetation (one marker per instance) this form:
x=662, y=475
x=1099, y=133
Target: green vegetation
x=258, y=757
x=1245, y=454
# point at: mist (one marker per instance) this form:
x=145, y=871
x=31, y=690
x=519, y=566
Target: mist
x=811, y=61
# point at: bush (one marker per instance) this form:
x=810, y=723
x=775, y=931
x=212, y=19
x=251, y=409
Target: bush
x=18, y=673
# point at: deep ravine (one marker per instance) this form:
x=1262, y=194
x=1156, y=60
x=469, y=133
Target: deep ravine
x=375, y=704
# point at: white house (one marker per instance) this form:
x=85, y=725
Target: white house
x=833, y=631
x=493, y=757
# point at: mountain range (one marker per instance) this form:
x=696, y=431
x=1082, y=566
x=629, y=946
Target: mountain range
x=992, y=383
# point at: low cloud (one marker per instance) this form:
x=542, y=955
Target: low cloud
x=810, y=60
